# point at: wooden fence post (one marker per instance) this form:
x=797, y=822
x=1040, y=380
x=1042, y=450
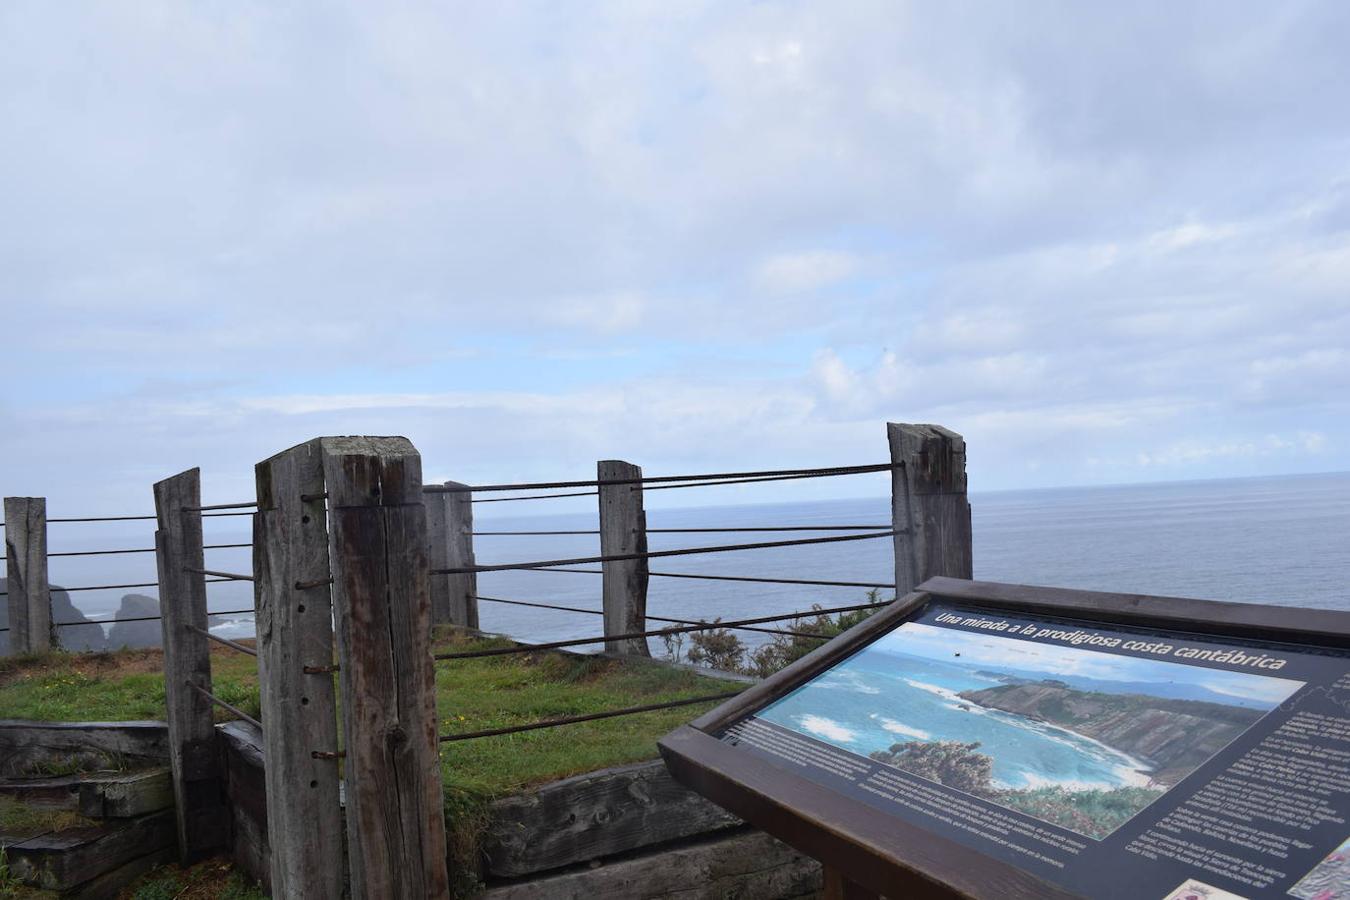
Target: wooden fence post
x=454, y=598
x=293, y=600
x=198, y=783
x=623, y=530
x=929, y=509
x=382, y=603
x=30, y=601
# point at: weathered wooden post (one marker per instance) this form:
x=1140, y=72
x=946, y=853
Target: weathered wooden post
x=929, y=509
x=30, y=602
x=382, y=605
x=203, y=819
x=294, y=607
x=454, y=598
x=623, y=530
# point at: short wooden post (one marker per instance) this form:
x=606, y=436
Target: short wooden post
x=293, y=600
x=928, y=504
x=382, y=605
x=30, y=601
x=454, y=598
x=623, y=530
x=198, y=783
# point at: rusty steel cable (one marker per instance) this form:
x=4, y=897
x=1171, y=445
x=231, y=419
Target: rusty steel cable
x=649, y=617
x=224, y=705
x=818, y=472
x=222, y=640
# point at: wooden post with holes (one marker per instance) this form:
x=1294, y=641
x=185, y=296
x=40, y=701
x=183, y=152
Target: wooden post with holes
x=198, y=777
x=454, y=598
x=382, y=606
x=929, y=509
x=293, y=601
x=623, y=530
x=30, y=602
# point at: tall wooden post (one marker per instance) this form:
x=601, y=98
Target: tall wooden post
x=454, y=598
x=623, y=530
x=382, y=605
x=30, y=602
x=293, y=600
x=203, y=818
x=928, y=504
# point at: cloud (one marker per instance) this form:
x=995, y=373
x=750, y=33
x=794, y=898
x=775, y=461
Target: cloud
x=1105, y=245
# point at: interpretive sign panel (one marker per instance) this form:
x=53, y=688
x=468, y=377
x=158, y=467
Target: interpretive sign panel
x=996, y=740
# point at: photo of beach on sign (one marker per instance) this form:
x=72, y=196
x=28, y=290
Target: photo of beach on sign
x=1078, y=738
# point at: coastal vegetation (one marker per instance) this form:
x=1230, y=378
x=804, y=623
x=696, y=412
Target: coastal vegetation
x=961, y=766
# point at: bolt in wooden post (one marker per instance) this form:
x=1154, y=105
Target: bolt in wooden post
x=928, y=504
x=198, y=785
x=454, y=598
x=295, y=629
x=623, y=530
x=382, y=604
x=30, y=601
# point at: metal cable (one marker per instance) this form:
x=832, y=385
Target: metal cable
x=226, y=641
x=536, y=497
x=226, y=576
x=686, y=551
x=502, y=533
x=223, y=705
x=747, y=578
x=249, y=505
x=819, y=472
x=767, y=528
x=106, y=519
x=106, y=587
x=633, y=635
x=588, y=717
x=223, y=612
x=649, y=617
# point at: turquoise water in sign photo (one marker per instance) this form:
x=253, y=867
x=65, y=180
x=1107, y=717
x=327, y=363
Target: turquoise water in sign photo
x=862, y=708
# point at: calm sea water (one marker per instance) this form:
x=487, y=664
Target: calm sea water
x=1282, y=540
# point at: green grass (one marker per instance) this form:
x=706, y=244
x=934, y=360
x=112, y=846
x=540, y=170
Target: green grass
x=472, y=694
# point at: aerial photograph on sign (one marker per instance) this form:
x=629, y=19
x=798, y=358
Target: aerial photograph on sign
x=1079, y=738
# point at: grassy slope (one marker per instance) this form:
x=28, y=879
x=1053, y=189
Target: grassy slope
x=471, y=695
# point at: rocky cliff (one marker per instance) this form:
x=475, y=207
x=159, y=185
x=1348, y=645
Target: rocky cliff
x=84, y=635
x=1173, y=736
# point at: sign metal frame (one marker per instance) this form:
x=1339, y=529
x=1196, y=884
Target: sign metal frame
x=885, y=854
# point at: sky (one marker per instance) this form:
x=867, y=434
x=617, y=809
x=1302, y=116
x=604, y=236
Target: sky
x=1106, y=243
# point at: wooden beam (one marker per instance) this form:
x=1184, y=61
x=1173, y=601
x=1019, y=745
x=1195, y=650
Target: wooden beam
x=294, y=609
x=201, y=814
x=454, y=598
x=382, y=606
x=623, y=529
x=929, y=509
x=30, y=603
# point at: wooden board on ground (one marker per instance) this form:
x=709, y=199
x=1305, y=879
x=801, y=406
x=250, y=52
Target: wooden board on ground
x=747, y=865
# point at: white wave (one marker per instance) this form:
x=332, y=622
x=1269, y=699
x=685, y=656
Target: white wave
x=944, y=693
x=897, y=728
x=1031, y=780
x=827, y=728
x=849, y=681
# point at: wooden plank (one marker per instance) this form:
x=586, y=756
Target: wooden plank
x=748, y=865
x=623, y=529
x=126, y=795
x=382, y=601
x=202, y=817
x=30, y=606
x=294, y=607
x=595, y=815
x=65, y=859
x=242, y=747
x=929, y=509
x=454, y=598
x=27, y=745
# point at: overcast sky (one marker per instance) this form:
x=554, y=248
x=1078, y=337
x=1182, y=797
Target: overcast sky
x=1107, y=243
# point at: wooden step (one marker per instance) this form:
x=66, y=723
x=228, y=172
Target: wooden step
x=67, y=860
x=97, y=795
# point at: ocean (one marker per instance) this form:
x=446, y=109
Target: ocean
x=1278, y=540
